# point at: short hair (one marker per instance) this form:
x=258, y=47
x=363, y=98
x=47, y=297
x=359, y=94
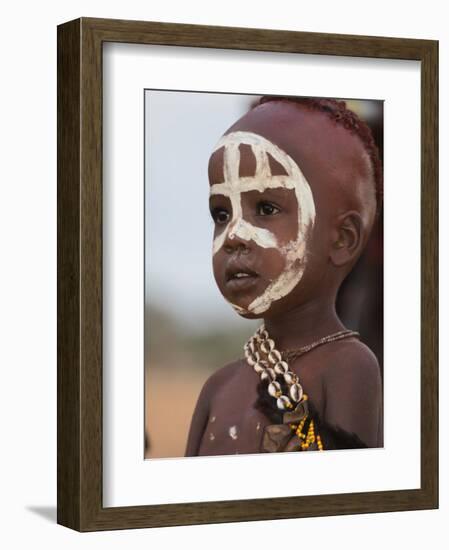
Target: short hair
x=340, y=114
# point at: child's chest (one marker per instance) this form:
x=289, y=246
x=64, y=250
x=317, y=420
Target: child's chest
x=235, y=425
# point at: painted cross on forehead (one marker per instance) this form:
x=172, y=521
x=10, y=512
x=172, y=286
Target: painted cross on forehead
x=234, y=185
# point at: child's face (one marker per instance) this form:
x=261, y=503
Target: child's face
x=263, y=211
x=281, y=178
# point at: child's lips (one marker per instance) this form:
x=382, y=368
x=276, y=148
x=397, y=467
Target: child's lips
x=242, y=283
x=239, y=274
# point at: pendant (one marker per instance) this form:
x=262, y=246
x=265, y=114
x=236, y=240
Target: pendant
x=275, y=437
x=293, y=417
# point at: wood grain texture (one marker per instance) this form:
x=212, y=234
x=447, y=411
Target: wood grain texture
x=429, y=272
x=144, y=32
x=68, y=317
x=80, y=274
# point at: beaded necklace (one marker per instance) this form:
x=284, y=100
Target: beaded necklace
x=272, y=366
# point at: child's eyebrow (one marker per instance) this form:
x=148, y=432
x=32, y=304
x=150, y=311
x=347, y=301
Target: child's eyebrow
x=281, y=192
x=286, y=198
x=218, y=197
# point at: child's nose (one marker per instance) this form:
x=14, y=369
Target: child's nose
x=234, y=227
x=234, y=238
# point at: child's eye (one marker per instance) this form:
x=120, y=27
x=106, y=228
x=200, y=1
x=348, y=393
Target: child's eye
x=267, y=209
x=220, y=215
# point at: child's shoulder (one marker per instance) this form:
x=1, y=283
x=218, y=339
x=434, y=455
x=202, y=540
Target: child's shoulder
x=351, y=362
x=222, y=376
x=354, y=351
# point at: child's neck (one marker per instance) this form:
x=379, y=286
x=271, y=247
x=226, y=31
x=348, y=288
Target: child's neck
x=304, y=324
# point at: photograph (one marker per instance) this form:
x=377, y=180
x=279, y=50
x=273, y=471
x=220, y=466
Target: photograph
x=263, y=273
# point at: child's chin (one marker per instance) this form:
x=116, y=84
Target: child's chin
x=245, y=313
x=242, y=308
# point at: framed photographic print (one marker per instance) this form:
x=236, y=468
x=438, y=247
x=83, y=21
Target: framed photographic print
x=247, y=274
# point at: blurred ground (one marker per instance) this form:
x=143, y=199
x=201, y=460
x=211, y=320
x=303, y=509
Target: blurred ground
x=168, y=425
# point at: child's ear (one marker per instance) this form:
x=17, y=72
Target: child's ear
x=347, y=238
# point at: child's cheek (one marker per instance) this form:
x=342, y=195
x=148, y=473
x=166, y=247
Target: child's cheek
x=288, y=230
x=218, y=266
x=273, y=262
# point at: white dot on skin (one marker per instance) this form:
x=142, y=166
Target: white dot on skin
x=211, y=436
x=213, y=419
x=233, y=432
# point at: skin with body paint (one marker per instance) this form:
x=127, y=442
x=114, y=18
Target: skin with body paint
x=292, y=198
x=275, y=175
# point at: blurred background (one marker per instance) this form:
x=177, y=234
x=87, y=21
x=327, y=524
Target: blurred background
x=190, y=331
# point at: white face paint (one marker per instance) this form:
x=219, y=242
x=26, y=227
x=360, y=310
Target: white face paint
x=233, y=186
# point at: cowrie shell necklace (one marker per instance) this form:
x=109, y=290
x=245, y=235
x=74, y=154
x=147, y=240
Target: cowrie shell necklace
x=268, y=362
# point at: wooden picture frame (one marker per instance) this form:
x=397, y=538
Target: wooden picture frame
x=80, y=353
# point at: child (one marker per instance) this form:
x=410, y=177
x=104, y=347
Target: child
x=294, y=191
